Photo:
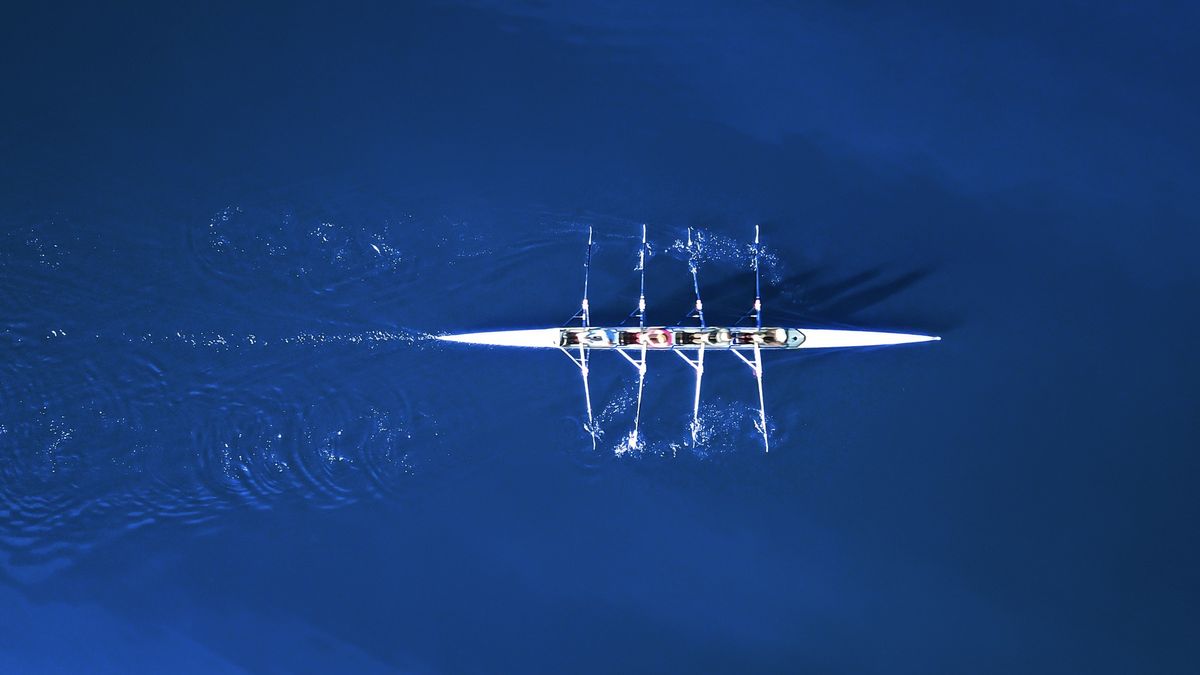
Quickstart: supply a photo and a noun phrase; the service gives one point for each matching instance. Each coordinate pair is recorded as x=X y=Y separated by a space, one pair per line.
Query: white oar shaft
x=694 y=264
x=696 y=400
x=585 y=310
x=587 y=394
x=642 y=293
x=756 y=367
x=641 y=363
x=762 y=403
x=757 y=281
x=637 y=417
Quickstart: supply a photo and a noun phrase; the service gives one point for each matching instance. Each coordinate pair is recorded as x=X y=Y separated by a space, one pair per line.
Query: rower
x=657 y=337
x=717 y=337
x=745 y=336
x=771 y=337
x=628 y=337
x=598 y=337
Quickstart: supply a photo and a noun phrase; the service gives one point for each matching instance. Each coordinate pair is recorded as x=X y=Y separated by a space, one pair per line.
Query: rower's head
x=773 y=336
x=718 y=336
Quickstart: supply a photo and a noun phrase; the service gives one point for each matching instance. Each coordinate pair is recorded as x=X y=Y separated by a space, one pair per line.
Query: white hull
x=539 y=337
x=814 y=338
x=824 y=338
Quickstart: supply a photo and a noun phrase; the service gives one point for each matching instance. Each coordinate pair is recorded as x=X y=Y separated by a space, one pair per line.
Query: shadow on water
x=813 y=298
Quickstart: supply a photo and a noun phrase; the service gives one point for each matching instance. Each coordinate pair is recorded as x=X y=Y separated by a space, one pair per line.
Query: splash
x=725 y=426
x=631 y=444
x=709 y=247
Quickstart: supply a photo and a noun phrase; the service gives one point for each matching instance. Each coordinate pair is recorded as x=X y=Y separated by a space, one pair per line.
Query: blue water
x=228 y=442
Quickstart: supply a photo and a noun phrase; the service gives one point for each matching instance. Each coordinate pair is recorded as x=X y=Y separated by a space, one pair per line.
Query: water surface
x=230 y=443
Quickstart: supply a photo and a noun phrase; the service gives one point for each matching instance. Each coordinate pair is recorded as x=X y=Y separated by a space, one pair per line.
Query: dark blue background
x=228 y=445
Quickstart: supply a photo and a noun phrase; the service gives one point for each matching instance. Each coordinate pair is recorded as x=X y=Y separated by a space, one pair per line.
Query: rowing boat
x=634 y=343
x=675 y=338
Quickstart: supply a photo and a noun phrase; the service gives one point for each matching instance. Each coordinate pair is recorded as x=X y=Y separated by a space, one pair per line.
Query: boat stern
x=535 y=338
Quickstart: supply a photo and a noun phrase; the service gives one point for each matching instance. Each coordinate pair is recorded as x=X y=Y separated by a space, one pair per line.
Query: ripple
x=244 y=247
x=100 y=437
x=226 y=379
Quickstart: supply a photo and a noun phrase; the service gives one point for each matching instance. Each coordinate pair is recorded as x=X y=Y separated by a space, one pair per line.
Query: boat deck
x=670 y=337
